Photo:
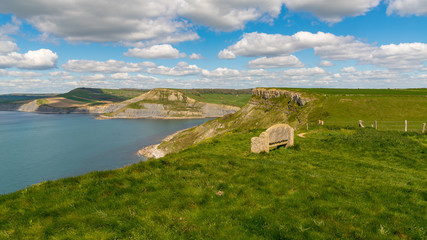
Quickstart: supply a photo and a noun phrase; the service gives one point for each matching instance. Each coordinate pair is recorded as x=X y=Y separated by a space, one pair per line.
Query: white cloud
x=276 y=62
x=326 y=63
x=181 y=69
x=407 y=7
x=316 y=71
x=19 y=74
x=348 y=69
x=221 y=72
x=262 y=44
x=110 y=66
x=38 y=59
x=404 y=56
x=195 y=56
x=7 y=47
x=155 y=52
x=332 y=10
x=81 y=20
x=228 y=15
x=226 y=54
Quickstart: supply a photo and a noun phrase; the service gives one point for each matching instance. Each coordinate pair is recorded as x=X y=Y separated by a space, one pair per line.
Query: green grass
x=94 y=95
x=42 y=101
x=350 y=91
x=389 y=111
x=333 y=184
x=239 y=100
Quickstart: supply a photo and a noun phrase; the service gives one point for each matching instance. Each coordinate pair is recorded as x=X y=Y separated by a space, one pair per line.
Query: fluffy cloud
x=276 y=62
x=160 y=21
x=407 y=7
x=195 y=56
x=404 y=56
x=228 y=15
x=155 y=52
x=110 y=66
x=262 y=44
x=7 y=47
x=326 y=63
x=332 y=10
x=80 y=20
x=38 y=59
x=181 y=69
x=221 y=72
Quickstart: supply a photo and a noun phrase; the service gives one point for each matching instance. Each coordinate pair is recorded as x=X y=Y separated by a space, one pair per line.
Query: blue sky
x=55 y=46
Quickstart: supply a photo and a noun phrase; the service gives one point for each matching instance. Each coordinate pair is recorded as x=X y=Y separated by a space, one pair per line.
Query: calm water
x=39 y=147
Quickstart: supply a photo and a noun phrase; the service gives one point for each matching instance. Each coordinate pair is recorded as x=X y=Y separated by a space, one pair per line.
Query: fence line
x=403 y=125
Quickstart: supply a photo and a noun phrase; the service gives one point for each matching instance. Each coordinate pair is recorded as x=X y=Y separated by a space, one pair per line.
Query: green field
x=345 y=107
x=349 y=91
x=232 y=97
x=335 y=183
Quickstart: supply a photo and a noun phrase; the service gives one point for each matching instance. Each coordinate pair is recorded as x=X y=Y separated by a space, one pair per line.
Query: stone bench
x=275 y=136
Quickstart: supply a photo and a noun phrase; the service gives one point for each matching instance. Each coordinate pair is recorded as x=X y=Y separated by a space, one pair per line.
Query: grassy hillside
x=11 y=98
x=335 y=183
x=233 y=97
x=93 y=95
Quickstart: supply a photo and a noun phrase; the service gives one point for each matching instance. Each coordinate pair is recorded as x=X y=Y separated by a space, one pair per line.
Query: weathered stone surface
x=275 y=93
x=258 y=144
x=277 y=135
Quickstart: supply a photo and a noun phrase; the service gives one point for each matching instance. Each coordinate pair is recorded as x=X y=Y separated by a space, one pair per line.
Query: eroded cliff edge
x=169 y=104
x=266 y=107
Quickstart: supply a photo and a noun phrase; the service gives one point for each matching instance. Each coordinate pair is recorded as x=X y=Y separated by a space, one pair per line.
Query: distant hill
x=9 y=98
x=93 y=95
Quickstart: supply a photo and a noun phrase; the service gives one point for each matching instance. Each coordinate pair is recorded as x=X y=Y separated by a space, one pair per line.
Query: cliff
x=266 y=107
x=171 y=104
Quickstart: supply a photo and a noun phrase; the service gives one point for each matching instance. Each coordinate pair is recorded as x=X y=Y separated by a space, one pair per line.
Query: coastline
x=152 y=151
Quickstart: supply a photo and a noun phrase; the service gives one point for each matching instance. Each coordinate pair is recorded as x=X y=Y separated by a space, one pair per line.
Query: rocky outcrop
x=275 y=93
x=169 y=104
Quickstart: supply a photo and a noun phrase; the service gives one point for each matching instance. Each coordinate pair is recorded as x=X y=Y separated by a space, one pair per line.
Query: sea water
x=38 y=147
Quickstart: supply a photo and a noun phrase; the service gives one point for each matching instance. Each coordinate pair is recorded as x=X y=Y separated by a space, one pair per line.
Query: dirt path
x=301 y=135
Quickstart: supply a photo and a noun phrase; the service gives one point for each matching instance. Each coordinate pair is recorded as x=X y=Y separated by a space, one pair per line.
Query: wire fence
x=411 y=126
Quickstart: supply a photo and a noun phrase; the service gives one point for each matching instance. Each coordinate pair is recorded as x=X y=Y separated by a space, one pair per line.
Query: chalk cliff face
x=168 y=103
x=275 y=93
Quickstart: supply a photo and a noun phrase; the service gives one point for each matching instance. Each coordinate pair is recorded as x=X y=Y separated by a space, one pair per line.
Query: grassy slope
x=94 y=95
x=374 y=187
x=238 y=100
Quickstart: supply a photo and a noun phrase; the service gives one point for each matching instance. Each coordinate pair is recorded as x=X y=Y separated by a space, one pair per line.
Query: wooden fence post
x=376 y=125
x=424 y=128
x=406 y=125
x=307 y=126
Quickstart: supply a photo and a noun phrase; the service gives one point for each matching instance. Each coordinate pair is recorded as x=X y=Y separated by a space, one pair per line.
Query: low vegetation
x=233 y=97
x=334 y=183
x=94 y=95
x=42 y=101
x=13 y=98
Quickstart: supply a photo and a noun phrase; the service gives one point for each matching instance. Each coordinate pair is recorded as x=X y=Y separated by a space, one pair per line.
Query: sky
x=54 y=46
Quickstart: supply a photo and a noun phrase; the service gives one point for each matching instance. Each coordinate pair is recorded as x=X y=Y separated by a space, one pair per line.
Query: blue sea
x=38 y=147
